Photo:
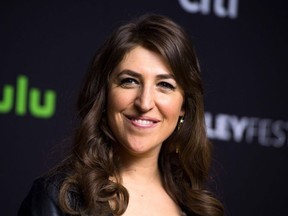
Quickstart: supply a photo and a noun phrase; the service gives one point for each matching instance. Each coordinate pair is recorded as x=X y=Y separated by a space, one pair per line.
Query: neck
x=142 y=170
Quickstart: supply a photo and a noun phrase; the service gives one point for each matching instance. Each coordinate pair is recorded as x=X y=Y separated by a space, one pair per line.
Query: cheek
x=114 y=105
x=172 y=107
x=117 y=101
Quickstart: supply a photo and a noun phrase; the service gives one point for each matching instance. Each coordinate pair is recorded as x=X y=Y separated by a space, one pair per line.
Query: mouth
x=142 y=121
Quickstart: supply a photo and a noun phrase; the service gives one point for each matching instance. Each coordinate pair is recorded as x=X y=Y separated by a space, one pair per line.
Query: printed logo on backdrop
x=22 y=100
x=265 y=132
x=221 y=8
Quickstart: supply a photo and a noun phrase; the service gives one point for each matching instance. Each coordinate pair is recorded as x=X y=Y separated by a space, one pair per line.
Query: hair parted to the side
x=94 y=158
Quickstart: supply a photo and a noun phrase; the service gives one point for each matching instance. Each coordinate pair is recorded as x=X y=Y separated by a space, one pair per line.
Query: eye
x=166 y=86
x=128 y=82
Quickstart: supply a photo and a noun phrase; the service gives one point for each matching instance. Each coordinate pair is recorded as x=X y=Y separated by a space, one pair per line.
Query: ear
x=182 y=112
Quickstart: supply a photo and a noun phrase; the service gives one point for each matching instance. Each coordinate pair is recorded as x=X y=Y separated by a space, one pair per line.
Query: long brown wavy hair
x=94 y=159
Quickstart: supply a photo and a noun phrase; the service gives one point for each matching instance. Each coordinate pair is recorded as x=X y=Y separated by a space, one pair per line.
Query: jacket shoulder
x=42 y=199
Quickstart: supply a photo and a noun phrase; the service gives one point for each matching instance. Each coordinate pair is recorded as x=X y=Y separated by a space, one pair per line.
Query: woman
x=141 y=146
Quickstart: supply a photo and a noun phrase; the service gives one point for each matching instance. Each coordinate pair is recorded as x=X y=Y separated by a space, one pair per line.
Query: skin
x=144 y=106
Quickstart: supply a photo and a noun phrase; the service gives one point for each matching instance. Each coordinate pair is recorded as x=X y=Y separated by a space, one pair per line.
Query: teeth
x=143 y=122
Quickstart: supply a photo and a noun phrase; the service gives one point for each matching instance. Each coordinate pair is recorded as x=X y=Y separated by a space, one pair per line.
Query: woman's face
x=144 y=102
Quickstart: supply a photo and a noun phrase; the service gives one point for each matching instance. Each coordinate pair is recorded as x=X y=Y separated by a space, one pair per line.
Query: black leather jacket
x=42 y=199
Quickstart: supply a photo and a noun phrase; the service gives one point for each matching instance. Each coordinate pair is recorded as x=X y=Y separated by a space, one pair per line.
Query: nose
x=145 y=100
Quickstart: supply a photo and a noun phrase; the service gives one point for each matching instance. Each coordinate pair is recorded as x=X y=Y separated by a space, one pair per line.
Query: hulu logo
x=27 y=100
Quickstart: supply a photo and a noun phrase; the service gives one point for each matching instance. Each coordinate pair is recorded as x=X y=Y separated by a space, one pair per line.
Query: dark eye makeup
x=128 y=82
x=166 y=85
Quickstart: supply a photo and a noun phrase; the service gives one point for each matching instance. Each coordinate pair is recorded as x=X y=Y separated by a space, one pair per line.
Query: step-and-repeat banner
x=46 y=47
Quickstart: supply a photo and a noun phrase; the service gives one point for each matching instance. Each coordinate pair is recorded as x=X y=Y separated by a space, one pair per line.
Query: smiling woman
x=133 y=153
x=144 y=102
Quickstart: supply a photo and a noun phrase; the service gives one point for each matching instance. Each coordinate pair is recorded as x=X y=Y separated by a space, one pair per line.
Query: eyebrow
x=139 y=75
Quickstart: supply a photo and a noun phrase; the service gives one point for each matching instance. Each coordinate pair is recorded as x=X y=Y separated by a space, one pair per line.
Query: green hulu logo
x=27 y=99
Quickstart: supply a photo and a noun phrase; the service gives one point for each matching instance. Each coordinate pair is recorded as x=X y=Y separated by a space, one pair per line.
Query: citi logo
x=24 y=99
x=221 y=8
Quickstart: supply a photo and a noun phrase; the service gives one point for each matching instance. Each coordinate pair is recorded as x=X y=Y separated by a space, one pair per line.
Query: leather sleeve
x=42 y=200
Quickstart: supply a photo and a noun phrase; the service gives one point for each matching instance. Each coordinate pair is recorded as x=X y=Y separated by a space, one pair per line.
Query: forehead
x=142 y=59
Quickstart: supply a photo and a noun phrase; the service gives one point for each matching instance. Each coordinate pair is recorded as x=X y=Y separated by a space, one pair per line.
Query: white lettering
x=204 y=7
x=209 y=125
x=222 y=127
x=221 y=11
x=251 y=130
x=238 y=127
x=193 y=7
x=280 y=135
x=265 y=132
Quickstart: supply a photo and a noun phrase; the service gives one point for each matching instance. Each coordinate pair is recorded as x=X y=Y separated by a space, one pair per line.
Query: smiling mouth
x=142 y=121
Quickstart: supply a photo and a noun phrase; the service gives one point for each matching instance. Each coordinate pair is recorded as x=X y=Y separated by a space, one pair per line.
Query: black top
x=42 y=199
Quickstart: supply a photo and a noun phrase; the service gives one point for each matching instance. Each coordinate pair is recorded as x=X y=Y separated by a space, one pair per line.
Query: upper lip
x=147 y=118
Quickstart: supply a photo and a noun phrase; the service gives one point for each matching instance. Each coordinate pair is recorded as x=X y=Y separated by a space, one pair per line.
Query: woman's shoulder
x=43 y=197
x=50 y=182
